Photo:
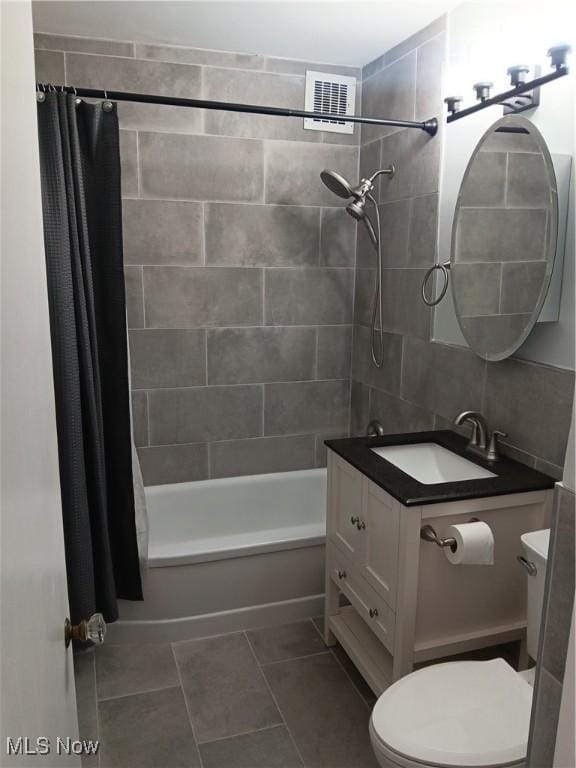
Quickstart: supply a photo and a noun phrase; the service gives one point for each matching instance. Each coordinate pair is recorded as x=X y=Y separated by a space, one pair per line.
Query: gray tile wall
x=555 y=631
x=423 y=384
x=239 y=264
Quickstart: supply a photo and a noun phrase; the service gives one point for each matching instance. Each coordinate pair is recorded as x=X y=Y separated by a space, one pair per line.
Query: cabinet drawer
x=369 y=604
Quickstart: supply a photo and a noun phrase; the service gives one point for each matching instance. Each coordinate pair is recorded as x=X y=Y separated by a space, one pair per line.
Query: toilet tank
x=535 y=544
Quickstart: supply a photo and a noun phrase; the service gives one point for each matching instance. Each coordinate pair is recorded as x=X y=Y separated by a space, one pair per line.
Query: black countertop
x=511 y=476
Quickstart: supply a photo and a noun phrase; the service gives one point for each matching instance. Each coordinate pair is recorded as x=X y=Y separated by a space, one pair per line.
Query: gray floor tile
x=325 y=715
x=85 y=680
x=132 y=668
x=355 y=677
x=270 y=748
x=225 y=690
x=148 y=730
x=285 y=641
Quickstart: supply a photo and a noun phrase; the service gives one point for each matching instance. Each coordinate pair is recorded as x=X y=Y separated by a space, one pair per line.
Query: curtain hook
x=40 y=95
x=107 y=105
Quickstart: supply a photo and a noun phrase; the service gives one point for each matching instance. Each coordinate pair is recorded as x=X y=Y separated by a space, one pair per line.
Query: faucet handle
x=493 y=452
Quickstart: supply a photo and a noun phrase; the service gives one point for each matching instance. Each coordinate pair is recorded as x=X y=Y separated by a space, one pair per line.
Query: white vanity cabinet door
x=345 y=508
x=382 y=536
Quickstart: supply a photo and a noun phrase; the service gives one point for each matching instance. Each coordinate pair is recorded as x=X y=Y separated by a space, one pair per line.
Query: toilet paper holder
x=427 y=533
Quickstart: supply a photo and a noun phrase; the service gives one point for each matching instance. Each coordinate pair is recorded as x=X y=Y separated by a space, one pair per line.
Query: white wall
x=484 y=39
x=37 y=685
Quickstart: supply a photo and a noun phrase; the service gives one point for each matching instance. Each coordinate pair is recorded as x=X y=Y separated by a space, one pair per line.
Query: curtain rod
x=430 y=126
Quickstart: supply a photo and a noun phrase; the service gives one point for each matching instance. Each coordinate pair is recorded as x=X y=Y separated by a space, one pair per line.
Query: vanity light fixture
x=483 y=90
x=453 y=103
x=522 y=94
x=518 y=74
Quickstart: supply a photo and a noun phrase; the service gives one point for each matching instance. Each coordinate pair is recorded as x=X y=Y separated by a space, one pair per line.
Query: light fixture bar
x=501 y=98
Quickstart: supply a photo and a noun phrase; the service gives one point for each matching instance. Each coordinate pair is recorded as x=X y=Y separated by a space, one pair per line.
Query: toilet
x=464 y=713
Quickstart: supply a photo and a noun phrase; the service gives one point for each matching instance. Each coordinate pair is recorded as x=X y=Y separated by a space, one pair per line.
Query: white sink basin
x=430 y=463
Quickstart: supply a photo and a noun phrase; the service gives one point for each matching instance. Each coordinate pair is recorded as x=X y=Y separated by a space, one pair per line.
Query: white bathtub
x=230 y=554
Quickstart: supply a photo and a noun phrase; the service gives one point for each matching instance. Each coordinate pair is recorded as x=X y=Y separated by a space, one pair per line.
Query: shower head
x=339 y=186
x=357 y=208
x=336 y=183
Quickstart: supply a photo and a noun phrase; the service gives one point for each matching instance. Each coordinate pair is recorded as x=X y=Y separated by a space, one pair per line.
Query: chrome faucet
x=479 y=442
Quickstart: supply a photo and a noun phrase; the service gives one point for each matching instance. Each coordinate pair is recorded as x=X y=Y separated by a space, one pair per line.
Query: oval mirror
x=504 y=237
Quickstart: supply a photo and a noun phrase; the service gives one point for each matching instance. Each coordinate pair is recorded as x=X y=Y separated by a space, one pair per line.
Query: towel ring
x=444 y=268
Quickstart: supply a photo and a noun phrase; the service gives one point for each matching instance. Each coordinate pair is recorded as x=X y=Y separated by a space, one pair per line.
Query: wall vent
x=335 y=94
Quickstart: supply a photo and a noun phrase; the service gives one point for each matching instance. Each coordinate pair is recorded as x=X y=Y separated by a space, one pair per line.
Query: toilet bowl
x=464 y=713
x=457 y=714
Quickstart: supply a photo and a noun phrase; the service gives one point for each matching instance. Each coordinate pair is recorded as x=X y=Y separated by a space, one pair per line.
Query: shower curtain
x=80 y=172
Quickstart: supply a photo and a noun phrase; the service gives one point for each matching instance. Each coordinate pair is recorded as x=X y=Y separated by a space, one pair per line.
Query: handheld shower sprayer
x=357 y=209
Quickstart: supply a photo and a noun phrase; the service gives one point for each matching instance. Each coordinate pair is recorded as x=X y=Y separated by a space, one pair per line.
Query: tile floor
x=267 y=698
x=274 y=697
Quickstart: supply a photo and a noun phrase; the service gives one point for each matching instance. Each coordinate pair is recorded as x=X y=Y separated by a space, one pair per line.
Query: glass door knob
x=92 y=630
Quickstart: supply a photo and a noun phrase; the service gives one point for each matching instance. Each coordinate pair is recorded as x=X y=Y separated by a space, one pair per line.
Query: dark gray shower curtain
x=80 y=172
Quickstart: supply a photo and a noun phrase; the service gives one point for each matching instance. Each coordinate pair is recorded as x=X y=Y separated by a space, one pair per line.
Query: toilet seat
x=455 y=715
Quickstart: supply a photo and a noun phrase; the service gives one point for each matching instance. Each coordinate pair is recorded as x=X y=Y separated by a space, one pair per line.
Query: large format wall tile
x=301 y=407
x=403 y=309
x=140 y=418
x=388 y=376
x=442 y=379
x=206 y=246
x=533 y=404
x=481 y=232
x=409 y=44
x=192 y=297
x=260 y=88
x=429 y=69
x=159 y=117
x=203 y=414
x=163 y=464
x=129 y=163
x=133 y=75
x=561 y=585
x=334 y=351
x=389 y=94
x=200 y=167
x=262 y=235
x=198 y=56
x=49 y=67
x=167 y=358
x=298 y=67
x=262 y=455
x=397 y=415
x=359 y=408
x=309 y=296
x=133 y=282
x=162 y=232
x=246 y=355
x=293 y=171
x=82 y=45
x=337 y=238
x=416 y=156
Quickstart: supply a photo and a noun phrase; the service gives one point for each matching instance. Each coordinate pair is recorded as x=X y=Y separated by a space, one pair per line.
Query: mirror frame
x=551 y=234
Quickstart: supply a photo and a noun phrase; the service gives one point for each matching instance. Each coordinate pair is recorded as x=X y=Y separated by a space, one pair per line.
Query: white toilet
x=464 y=713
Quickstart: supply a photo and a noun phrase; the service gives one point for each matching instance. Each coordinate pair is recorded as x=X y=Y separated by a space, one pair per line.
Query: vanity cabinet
x=393 y=600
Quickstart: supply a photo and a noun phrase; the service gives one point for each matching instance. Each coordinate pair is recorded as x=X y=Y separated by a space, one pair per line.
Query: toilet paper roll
x=474 y=544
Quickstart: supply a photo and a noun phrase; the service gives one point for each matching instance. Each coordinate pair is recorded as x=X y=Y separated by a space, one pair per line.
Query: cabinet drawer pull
x=361 y=525
x=341 y=574
x=355 y=520
x=373 y=612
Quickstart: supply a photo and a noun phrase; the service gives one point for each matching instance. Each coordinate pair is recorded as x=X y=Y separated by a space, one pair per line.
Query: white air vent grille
x=332 y=94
